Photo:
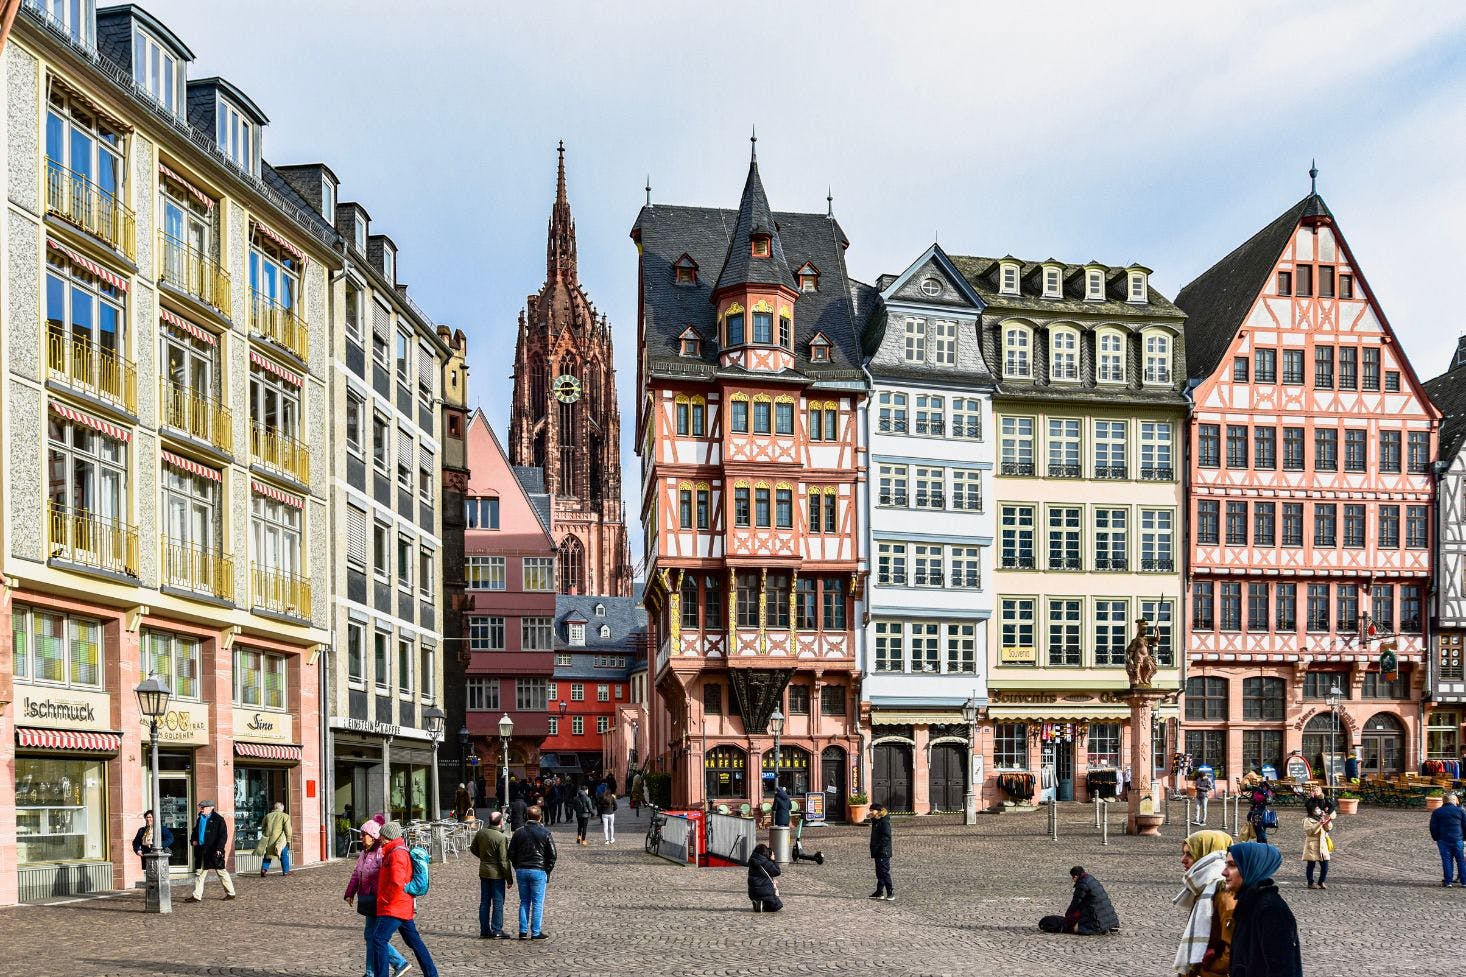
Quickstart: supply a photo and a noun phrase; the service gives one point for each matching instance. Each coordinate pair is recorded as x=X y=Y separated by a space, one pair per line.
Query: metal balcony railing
x=279 y=451
x=88 y=367
x=186 y=268
x=1110 y=471
x=1064 y=563
x=893 y=498
x=972 y=429
x=1023 y=468
x=1111 y=563
x=933 y=579
x=1157 y=566
x=934 y=427
x=1063 y=471
x=85 y=538
x=77 y=200
x=196 y=415
x=966 y=580
x=891 y=426
x=279 y=591
x=1019 y=563
x=204 y=571
x=1157 y=473
x=930 y=501
x=274 y=321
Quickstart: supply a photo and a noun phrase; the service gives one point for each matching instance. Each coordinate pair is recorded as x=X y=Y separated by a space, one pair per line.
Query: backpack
x=418 y=884
x=1269 y=818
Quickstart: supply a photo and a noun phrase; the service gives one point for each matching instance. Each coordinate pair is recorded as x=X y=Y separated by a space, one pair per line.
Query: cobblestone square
x=968 y=900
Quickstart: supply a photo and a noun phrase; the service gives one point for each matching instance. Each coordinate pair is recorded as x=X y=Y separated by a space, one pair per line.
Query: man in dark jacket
x=782 y=807
x=880 y=850
x=494 y=872
x=1264 y=932
x=518 y=810
x=1448 y=830
x=209 y=841
x=583 y=807
x=532 y=850
x=1089 y=911
x=552 y=803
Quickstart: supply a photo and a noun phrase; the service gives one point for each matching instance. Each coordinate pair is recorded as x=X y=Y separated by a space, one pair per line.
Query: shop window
x=1104 y=745
x=725 y=770
x=1010 y=746
x=1442 y=735
x=1209 y=747
x=60 y=810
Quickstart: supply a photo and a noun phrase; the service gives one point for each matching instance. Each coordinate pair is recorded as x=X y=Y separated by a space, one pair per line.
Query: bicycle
x=654 y=832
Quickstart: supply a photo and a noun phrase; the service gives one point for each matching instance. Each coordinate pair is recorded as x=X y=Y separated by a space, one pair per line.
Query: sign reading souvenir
x=814 y=807
x=184 y=723
x=258 y=726
x=62 y=708
x=1025 y=655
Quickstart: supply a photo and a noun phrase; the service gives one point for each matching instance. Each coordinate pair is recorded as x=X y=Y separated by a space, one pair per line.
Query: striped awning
x=87 y=420
x=270 y=366
x=67 y=739
x=270 y=235
x=116 y=281
x=198 y=194
x=193 y=467
x=268 y=751
x=179 y=322
x=270 y=492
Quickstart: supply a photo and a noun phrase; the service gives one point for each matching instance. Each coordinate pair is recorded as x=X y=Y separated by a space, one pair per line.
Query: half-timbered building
x=1446 y=684
x=752 y=471
x=1311 y=443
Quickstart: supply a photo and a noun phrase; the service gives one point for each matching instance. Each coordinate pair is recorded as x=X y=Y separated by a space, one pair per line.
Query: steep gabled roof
x=740 y=267
x=1448 y=392
x=1218 y=301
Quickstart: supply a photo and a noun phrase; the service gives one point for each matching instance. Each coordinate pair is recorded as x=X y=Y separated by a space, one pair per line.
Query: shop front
x=361 y=751
x=266 y=771
x=181 y=731
x=920 y=759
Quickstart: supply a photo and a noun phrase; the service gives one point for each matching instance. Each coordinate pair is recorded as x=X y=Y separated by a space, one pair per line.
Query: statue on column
x=1140 y=663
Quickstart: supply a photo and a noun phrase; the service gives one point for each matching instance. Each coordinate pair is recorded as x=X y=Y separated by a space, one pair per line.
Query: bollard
x=1188 y=812
x=1097 y=803
x=1105 y=828
x=1054 y=818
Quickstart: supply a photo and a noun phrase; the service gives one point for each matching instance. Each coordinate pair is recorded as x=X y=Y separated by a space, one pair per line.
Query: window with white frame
x=355 y=423
x=552 y=726
x=381 y=667
x=1157 y=358
x=603 y=724
x=927 y=562
x=930 y=487
x=1010 y=746
x=259 y=679
x=404 y=666
x=577 y=692
x=275 y=526
x=1137 y=286
x=1104 y=745
x=915 y=340
x=577 y=633
x=174 y=658
x=1016 y=537
x=891 y=483
x=482 y=694
x=328 y=201
x=1111 y=449
x=156 y=71
x=890 y=646
x=1094 y=284
x=536 y=634
x=1111 y=538
x=966 y=562
x=1053 y=282
x=577 y=725
x=1064 y=355
x=236 y=136
x=485 y=573
x=191 y=525
x=356 y=537
x=891 y=412
x=1111 y=620
x=561 y=660
x=961 y=648
x=539 y=573
x=1015 y=626
x=944 y=342
x=891 y=564
x=1063 y=444
x=930 y=415
x=1016 y=445
x=355 y=654
x=926 y=651
x=1065 y=531
x=1063 y=631
x=967 y=490
x=485 y=633
x=1156 y=458
x=603 y=693
x=966 y=417
x=1008 y=278
x=1110 y=354
x=75 y=18
x=1156 y=538
x=1161 y=615
x=1017 y=352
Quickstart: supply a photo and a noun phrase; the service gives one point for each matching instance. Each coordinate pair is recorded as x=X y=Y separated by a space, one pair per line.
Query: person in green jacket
x=275 y=834
x=494 y=872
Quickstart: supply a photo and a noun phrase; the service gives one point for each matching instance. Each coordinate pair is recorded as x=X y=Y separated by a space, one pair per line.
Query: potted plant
x=1348 y=802
x=859 y=807
x=1434 y=799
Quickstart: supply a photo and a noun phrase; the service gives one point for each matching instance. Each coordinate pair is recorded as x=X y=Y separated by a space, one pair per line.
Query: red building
x=509 y=604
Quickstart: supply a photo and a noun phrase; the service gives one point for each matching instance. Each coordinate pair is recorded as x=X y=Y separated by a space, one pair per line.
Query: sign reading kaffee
x=183 y=723
x=62 y=708
x=258 y=726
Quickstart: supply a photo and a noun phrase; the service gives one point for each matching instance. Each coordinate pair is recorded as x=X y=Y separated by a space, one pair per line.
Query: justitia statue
x=1140 y=663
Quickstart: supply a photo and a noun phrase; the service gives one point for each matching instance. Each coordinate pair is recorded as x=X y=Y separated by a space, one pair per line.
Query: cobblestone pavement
x=968 y=900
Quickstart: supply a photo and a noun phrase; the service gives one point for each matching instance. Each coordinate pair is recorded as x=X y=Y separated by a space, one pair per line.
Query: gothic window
x=569 y=449
x=572 y=566
x=538 y=392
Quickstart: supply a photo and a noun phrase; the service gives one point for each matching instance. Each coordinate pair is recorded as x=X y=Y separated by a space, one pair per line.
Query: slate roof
x=1448 y=392
x=666 y=231
x=982 y=275
x=1218 y=301
x=532 y=481
x=740 y=267
x=625 y=618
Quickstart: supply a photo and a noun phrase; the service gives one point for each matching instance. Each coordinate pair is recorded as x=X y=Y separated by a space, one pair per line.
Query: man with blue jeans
x=494 y=872
x=1448 y=830
x=532 y=852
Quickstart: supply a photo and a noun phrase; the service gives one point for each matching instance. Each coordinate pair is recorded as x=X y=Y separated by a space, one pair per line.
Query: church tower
x=565 y=419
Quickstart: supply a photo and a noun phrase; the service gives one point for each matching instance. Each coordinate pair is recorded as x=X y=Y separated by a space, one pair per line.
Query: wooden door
x=947 y=778
x=891 y=782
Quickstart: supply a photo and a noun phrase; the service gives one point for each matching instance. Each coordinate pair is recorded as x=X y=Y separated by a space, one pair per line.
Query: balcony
x=1114 y=472
x=971 y=429
x=889 y=426
x=190 y=270
x=1157 y=566
x=1111 y=563
x=91 y=369
x=935 y=428
x=1016 y=468
x=1063 y=471
x=932 y=501
x=198 y=416
x=85 y=538
x=279 y=591
x=1157 y=474
x=1065 y=563
x=966 y=580
x=279 y=452
x=893 y=498
x=77 y=200
x=203 y=571
x=1019 y=563
x=275 y=322
x=932 y=579
x=970 y=503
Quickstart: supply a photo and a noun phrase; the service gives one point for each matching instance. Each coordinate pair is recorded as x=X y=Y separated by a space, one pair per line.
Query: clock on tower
x=567 y=388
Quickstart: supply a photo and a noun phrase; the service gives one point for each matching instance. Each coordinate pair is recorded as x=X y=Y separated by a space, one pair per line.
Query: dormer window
x=577 y=635
x=1158 y=358
x=1094 y=285
x=1053 y=282
x=156 y=70
x=819 y=349
x=605 y=630
x=1017 y=352
x=685 y=271
x=760 y=245
x=1110 y=353
x=74 y=17
x=238 y=136
x=328 y=199
x=1008 y=278
x=389 y=266
x=689 y=343
x=1138 y=292
x=809 y=277
x=600 y=610
x=359 y=232
x=1064 y=354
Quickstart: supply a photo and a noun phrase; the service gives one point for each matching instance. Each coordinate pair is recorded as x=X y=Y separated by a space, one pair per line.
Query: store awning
x=1057 y=714
x=67 y=739
x=268 y=751
x=908 y=717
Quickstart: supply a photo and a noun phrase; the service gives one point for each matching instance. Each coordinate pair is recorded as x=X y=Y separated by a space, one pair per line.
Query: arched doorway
x=1382 y=746
x=890 y=782
x=1318 y=739
x=793 y=770
x=832 y=780
x=724 y=770
x=947 y=778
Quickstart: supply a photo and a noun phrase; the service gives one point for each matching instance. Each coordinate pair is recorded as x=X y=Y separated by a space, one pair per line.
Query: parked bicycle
x=654 y=831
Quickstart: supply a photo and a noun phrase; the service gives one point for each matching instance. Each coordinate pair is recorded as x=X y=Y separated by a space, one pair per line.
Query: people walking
x=552 y=803
x=1264 y=932
x=763 y=891
x=275 y=835
x=363 y=887
x=494 y=872
x=608 y=816
x=144 y=841
x=396 y=910
x=1090 y=911
x=209 y=841
x=532 y=853
x=1260 y=817
x=1448 y=830
x=518 y=810
x=638 y=795
x=1205 y=949
x=1318 y=844
x=1206 y=782
x=462 y=803
x=583 y=808
x=880 y=850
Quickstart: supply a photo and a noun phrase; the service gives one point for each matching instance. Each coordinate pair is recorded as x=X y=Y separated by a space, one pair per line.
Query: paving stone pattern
x=968 y=900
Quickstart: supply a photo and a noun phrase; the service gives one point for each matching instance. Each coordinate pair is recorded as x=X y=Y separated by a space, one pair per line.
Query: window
x=961 y=653
x=1009 y=279
x=1285 y=283
x=733 y=326
x=1111 y=539
x=967 y=490
x=1064 y=355
x=824 y=421
x=1346 y=286
x=761 y=415
x=404 y=667
x=1203 y=605
x=482 y=694
x=761 y=507
x=1111 y=354
x=832 y=604
x=1348 y=368
x=1264 y=523
x=1137 y=286
x=930 y=488
x=1303 y=280
x=1392 y=380
x=1323 y=368
x=1293 y=449
x=1017 y=352
x=1111 y=619
x=1293 y=367
x=577 y=692
x=832 y=701
x=1419 y=458
x=1265 y=448
x=1262 y=747
x=1157 y=533
x=786 y=335
x=86 y=341
x=482 y=513
x=784 y=508
x=1389 y=451
x=1262 y=699
x=890 y=647
x=748 y=599
x=1239 y=369
x=1157 y=358
x=404 y=459
x=1156 y=462
x=1417 y=526
x=966 y=567
x=577 y=725
x=259 y=679
x=944 y=345
x=1094 y=284
x=763 y=327
x=1010 y=746
x=58 y=649
x=1017 y=446
x=603 y=693
x=485 y=573
x=1208 y=747
x=1110 y=449
x=539 y=573
x=1064 y=631
x=915 y=340
x=156 y=71
x=404 y=562
x=1410 y=616
x=892 y=484
x=742 y=511
x=1206 y=699
x=531 y=695
x=1265 y=365
x=1016 y=524
x=891 y=564
x=536 y=634
x=1063 y=444
x=966 y=417
x=688 y=345
x=1236 y=523
x=1208 y=518
x=1053 y=283
x=1015 y=627
x=1325 y=281
x=355 y=654
x=891 y=417
x=1104 y=745
x=275 y=528
x=485 y=633
x=1354 y=526
x=1231 y=601
x=1209 y=445
x=1326 y=450
x=1325 y=524
x=823 y=510
x=236 y=136
x=191 y=527
x=1286 y=604
x=1065 y=531
x=930 y=415
x=928 y=565
x=738 y=414
x=1371 y=368
x=1236 y=446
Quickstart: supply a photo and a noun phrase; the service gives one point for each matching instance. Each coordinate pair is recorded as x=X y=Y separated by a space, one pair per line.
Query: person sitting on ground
x=763 y=891
x=1089 y=911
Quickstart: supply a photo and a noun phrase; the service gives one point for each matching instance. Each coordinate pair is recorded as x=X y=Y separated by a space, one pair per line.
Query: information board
x=1333 y=765
x=814 y=807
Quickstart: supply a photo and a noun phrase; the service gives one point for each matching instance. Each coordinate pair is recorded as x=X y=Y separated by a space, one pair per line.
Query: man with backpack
x=404 y=875
x=532 y=850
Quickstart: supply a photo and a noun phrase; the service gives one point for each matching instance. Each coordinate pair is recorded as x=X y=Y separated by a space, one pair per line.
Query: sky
x=1163 y=133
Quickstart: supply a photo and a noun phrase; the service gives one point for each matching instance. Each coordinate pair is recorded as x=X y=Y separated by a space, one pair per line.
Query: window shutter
x=381 y=321
x=356 y=521
x=425 y=458
x=427 y=367
x=404 y=447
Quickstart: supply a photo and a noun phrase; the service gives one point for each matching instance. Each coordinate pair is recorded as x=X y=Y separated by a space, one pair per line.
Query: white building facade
x=1445 y=691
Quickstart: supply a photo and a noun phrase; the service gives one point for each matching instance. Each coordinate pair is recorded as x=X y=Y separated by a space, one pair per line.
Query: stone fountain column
x=1142 y=818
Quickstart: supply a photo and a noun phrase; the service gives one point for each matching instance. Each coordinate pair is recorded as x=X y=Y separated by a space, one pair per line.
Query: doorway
x=1064 y=769
x=832 y=778
x=891 y=779
x=947 y=778
x=176 y=803
x=1382 y=746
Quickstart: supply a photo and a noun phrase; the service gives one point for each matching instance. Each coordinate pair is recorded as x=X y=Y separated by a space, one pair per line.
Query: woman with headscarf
x=1318 y=821
x=1206 y=942
x=1264 y=932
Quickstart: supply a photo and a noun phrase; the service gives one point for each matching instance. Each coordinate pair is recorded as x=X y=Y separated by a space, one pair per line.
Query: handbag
x=1269 y=818
x=771 y=881
x=1328 y=843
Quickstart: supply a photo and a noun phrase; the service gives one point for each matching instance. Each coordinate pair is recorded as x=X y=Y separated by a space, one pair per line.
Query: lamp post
x=969 y=803
x=778 y=834
x=152 y=699
x=633 y=755
x=435 y=718
x=506 y=730
x=1335 y=694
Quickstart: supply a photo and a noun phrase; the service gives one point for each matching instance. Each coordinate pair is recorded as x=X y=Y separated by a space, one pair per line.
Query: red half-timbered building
x=1310 y=445
x=752 y=474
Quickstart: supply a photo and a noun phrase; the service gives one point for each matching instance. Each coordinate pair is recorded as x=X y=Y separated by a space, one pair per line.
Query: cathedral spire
x=560 y=250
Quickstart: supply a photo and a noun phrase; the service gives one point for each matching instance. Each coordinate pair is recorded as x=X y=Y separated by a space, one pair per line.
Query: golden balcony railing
x=279 y=591
x=189 y=269
x=83 y=364
x=201 y=417
x=272 y=320
x=204 y=571
x=279 y=451
x=79 y=536
x=75 y=199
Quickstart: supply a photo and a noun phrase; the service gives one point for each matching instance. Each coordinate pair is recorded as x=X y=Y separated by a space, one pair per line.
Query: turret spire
x=560 y=261
x=1313 y=178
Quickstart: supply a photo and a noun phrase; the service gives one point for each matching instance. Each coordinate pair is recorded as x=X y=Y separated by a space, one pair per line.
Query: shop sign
x=1018 y=656
x=1025 y=698
x=814 y=807
x=256 y=726
x=187 y=724
x=63 y=708
x=368 y=726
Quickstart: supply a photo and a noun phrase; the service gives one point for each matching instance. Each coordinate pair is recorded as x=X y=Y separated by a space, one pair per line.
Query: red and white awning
x=192 y=467
x=89 y=265
x=289 y=248
x=270 y=492
x=177 y=322
x=198 y=194
x=67 y=739
x=270 y=366
x=87 y=420
x=268 y=751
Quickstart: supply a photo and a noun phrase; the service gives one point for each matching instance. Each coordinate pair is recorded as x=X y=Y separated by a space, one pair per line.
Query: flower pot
x=858 y=812
x=1348 y=805
x=1431 y=803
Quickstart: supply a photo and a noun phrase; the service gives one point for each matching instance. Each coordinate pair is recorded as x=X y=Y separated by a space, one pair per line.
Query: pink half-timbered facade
x=753 y=481
x=1311 y=509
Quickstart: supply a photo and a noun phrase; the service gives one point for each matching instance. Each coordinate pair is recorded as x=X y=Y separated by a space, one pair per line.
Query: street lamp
x=1335 y=694
x=969 y=803
x=776 y=730
x=152 y=700
x=506 y=730
x=778 y=834
x=435 y=718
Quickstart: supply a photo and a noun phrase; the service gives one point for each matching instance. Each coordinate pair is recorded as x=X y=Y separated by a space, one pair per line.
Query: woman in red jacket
x=395 y=908
x=363 y=887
